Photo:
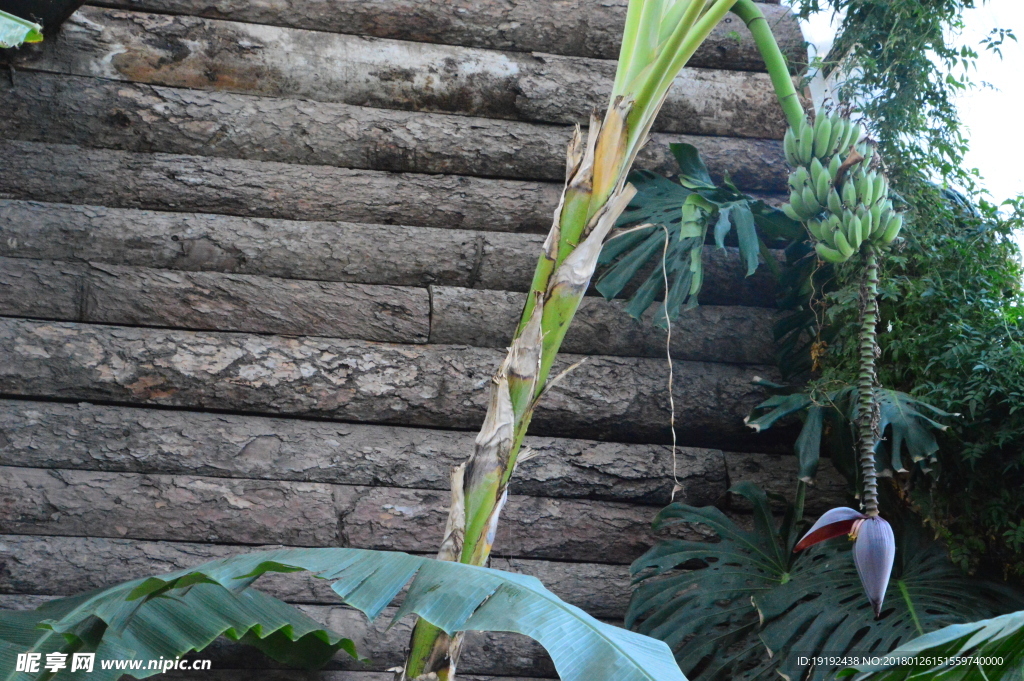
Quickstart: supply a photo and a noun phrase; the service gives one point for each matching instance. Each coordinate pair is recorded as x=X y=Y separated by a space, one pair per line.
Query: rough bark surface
x=204 y=54
x=134 y=296
x=64 y=566
x=70 y=174
x=717 y=333
x=324 y=251
x=778 y=474
x=120 y=439
x=92 y=112
x=615 y=398
x=570 y=27
x=221 y=510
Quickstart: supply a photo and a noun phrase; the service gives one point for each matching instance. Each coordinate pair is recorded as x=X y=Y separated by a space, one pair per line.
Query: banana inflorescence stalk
x=659 y=38
x=845 y=206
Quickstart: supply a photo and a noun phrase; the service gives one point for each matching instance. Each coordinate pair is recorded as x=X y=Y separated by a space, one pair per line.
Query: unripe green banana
x=814 y=227
x=829 y=254
x=881 y=188
x=822 y=187
x=892 y=229
x=810 y=201
x=834 y=223
x=865 y=188
x=838 y=128
x=816 y=169
x=876 y=218
x=822 y=134
x=869 y=153
x=858 y=133
x=849 y=193
x=805 y=143
x=855 y=235
x=789 y=147
x=844 y=144
x=843 y=244
x=833 y=167
x=791 y=213
x=798 y=178
x=798 y=205
x=835 y=204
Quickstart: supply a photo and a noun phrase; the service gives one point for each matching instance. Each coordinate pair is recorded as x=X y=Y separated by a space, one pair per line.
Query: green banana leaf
x=642 y=256
x=748 y=608
x=186 y=610
x=988 y=650
x=15 y=31
x=906 y=423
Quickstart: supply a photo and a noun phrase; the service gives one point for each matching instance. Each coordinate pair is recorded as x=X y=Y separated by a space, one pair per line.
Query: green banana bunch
x=842 y=202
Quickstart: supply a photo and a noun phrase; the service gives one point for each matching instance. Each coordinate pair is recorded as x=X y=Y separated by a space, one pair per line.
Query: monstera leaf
x=906 y=425
x=748 y=608
x=680 y=214
x=15 y=31
x=186 y=610
x=988 y=650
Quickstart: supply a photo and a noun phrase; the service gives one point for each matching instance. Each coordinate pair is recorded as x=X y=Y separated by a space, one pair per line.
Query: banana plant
x=15 y=31
x=845 y=206
x=659 y=38
x=166 y=616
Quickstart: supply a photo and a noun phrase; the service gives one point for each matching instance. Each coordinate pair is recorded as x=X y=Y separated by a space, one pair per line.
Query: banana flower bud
x=874 y=549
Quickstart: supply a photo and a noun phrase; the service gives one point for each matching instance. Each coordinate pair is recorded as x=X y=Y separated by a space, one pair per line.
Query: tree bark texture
x=205 y=54
x=570 y=27
x=322 y=251
x=93 y=112
x=614 y=398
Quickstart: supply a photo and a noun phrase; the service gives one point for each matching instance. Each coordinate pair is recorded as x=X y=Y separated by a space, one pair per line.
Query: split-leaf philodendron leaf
x=14 y=31
x=185 y=611
x=907 y=427
x=682 y=212
x=747 y=607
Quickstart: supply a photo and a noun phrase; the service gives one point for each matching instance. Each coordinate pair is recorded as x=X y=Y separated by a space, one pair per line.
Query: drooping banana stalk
x=660 y=37
x=846 y=208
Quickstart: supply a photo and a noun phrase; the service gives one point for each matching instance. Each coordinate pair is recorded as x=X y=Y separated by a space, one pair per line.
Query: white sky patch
x=989 y=115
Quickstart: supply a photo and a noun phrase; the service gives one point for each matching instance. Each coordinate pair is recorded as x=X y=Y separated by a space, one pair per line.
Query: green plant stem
x=867 y=381
x=774 y=60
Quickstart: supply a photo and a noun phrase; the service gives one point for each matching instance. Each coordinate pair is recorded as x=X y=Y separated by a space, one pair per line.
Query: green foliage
x=999 y=638
x=682 y=212
x=906 y=424
x=14 y=31
x=747 y=607
x=186 y=610
x=899 y=62
x=952 y=335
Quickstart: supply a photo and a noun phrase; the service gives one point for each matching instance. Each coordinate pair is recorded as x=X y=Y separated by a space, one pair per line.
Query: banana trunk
x=660 y=37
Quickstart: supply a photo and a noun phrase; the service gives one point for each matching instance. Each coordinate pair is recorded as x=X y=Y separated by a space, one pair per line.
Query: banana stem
x=867 y=381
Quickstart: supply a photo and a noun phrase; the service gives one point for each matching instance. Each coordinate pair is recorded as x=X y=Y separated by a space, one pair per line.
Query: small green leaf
x=693 y=174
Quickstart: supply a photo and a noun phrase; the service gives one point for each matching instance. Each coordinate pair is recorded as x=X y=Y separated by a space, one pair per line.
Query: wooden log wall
x=258 y=261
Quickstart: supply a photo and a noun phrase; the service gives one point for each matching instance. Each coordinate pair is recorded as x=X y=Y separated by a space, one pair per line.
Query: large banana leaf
x=988 y=650
x=681 y=213
x=748 y=608
x=906 y=425
x=147 y=618
x=14 y=31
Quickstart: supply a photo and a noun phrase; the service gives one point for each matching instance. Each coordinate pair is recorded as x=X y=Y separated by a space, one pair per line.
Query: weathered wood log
x=569 y=27
x=613 y=398
x=136 y=296
x=70 y=174
x=207 y=54
x=487 y=318
x=324 y=251
x=130 y=440
x=92 y=112
x=778 y=474
x=63 y=566
x=222 y=510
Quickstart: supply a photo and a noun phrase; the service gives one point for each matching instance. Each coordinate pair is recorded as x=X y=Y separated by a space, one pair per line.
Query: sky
x=990 y=115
